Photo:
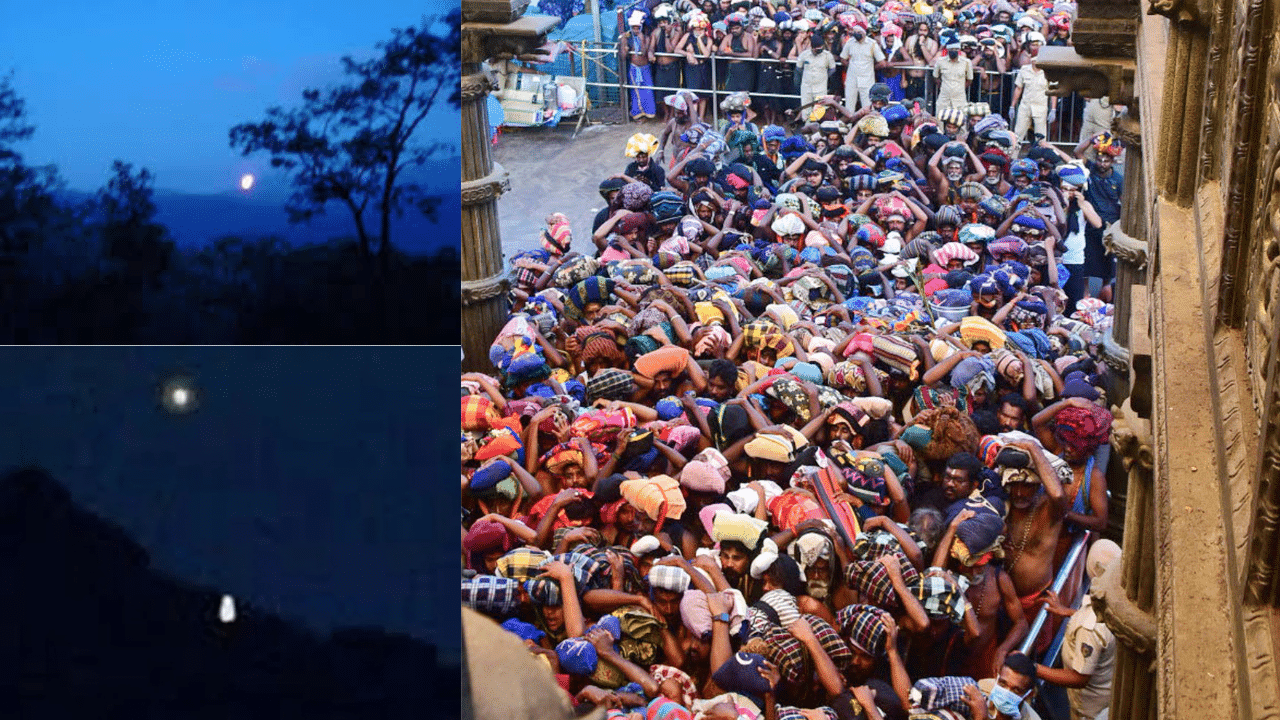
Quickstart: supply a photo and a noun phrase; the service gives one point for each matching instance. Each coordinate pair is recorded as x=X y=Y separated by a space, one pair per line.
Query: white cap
x=636 y=18
x=766 y=23
x=1034 y=37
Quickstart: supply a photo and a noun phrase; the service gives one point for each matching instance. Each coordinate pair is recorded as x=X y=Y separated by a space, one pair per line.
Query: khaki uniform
x=1033 y=106
x=813 y=74
x=955 y=76
x=862 y=58
x=1097 y=119
x=1089 y=648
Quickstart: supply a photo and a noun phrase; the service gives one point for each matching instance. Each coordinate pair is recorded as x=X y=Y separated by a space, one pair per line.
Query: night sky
x=159 y=83
x=308 y=481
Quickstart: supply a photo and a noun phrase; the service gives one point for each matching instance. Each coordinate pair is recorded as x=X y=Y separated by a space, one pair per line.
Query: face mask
x=1006 y=701
x=953 y=54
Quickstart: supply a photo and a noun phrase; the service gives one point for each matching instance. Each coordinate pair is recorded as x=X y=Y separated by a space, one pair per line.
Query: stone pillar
x=1125 y=596
x=491 y=30
x=483 y=281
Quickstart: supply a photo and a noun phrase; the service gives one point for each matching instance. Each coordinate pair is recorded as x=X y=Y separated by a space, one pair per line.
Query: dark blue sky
x=309 y=482
x=159 y=83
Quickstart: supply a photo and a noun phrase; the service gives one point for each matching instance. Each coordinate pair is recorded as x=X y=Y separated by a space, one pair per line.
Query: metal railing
x=1075 y=557
x=1063 y=121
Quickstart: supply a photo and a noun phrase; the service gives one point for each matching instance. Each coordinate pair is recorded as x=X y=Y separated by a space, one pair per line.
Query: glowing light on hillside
x=246 y=181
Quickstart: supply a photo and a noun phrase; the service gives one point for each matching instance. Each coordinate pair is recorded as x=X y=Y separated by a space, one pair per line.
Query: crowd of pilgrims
x=805 y=425
x=944 y=56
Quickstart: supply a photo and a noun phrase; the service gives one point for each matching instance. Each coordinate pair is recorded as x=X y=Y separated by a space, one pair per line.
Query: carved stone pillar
x=483 y=280
x=1184 y=94
x=484 y=283
x=1124 y=595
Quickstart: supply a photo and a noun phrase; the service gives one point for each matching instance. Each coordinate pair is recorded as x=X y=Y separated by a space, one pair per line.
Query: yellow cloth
x=641 y=143
x=975 y=329
x=647 y=495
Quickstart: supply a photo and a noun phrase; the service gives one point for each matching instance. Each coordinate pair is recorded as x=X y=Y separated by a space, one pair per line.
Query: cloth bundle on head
x=871 y=579
x=809 y=548
x=942 y=694
x=788 y=224
x=478 y=412
x=670 y=578
x=699 y=476
x=522 y=563
x=954 y=251
x=665 y=709
x=610 y=384
x=791 y=393
x=492 y=595
x=577 y=656
x=793 y=507
x=774 y=447
x=635 y=196
x=942 y=594
x=741 y=673
x=598 y=346
x=897 y=353
x=728 y=424
x=1009 y=366
x=685 y=689
x=745 y=499
x=738 y=527
x=1076 y=384
x=696 y=614
x=979 y=538
x=973 y=373
x=863 y=626
x=485 y=536
x=975 y=329
x=659 y=497
x=1083 y=429
x=557 y=238
x=641 y=143
x=1008 y=245
x=503 y=441
x=666 y=206
x=543 y=591
x=487 y=477
x=671 y=359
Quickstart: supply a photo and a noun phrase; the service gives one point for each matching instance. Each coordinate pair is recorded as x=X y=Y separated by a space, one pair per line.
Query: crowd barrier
x=599 y=64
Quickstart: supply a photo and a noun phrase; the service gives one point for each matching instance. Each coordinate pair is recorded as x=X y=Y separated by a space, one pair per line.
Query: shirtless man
x=1034 y=524
x=1087 y=511
x=989 y=588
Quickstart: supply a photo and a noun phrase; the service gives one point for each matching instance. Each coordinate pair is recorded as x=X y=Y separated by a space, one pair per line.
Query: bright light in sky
x=246 y=181
x=179 y=395
x=227 y=610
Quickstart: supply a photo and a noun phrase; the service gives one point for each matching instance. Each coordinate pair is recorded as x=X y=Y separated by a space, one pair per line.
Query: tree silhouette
x=129 y=231
x=352 y=144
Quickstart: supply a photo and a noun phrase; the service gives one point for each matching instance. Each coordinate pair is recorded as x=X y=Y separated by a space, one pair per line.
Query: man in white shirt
x=863 y=55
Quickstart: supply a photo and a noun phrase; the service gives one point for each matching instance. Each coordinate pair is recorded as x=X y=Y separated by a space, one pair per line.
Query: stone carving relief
x=1264 y=264
x=1183 y=12
x=1246 y=103
x=1261 y=583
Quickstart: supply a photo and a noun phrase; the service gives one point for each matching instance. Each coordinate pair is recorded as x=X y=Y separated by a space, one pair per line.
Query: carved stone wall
x=1250 y=38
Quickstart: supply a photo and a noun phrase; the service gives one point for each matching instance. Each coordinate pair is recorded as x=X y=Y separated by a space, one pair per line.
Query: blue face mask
x=1006 y=701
